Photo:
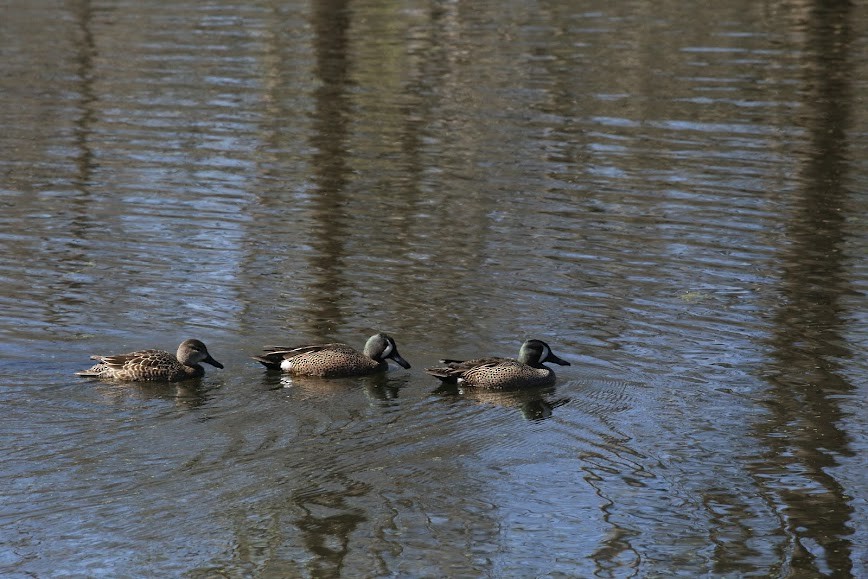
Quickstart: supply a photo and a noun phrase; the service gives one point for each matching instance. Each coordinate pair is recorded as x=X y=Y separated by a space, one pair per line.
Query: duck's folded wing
x=456 y=369
x=293 y=351
x=142 y=359
x=273 y=355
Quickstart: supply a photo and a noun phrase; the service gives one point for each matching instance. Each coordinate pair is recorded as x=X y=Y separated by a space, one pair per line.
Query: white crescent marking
x=388 y=350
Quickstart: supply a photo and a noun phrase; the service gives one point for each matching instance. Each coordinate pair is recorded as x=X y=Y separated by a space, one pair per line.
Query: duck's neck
x=194 y=370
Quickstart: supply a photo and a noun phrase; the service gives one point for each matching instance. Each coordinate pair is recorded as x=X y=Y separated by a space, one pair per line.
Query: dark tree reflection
x=331 y=21
x=803 y=433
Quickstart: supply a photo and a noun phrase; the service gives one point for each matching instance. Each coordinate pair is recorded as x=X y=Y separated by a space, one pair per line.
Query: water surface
x=672 y=198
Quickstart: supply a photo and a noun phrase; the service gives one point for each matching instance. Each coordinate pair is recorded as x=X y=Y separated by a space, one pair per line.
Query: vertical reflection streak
x=86 y=51
x=331 y=23
x=802 y=434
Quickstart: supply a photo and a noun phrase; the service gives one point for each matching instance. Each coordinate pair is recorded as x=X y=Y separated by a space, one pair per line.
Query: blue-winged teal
x=154 y=365
x=334 y=360
x=503 y=373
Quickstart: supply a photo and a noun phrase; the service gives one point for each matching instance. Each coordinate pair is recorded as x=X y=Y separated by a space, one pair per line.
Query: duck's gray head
x=191 y=352
x=536 y=352
x=382 y=347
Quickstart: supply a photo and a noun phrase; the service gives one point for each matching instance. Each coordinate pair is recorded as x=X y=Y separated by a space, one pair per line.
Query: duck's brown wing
x=455 y=369
x=141 y=359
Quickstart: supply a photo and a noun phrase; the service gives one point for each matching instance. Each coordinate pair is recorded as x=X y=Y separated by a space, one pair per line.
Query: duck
x=503 y=373
x=154 y=365
x=334 y=360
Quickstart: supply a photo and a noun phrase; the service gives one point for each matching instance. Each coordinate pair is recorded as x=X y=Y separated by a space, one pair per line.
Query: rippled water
x=673 y=197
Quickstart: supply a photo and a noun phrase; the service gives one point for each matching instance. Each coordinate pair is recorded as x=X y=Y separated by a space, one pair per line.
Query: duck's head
x=191 y=352
x=382 y=347
x=536 y=352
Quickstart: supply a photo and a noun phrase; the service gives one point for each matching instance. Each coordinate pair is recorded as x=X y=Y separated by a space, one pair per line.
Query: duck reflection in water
x=534 y=403
x=378 y=386
x=184 y=395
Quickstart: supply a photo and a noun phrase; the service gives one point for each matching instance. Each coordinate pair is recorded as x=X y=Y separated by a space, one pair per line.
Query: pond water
x=672 y=196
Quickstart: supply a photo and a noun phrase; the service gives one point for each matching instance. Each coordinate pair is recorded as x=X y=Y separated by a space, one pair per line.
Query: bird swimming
x=154 y=365
x=334 y=360
x=503 y=373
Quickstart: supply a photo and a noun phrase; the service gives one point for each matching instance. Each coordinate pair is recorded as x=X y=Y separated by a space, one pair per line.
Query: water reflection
x=329 y=137
x=534 y=403
x=802 y=435
x=187 y=395
x=377 y=386
x=327 y=523
x=86 y=47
